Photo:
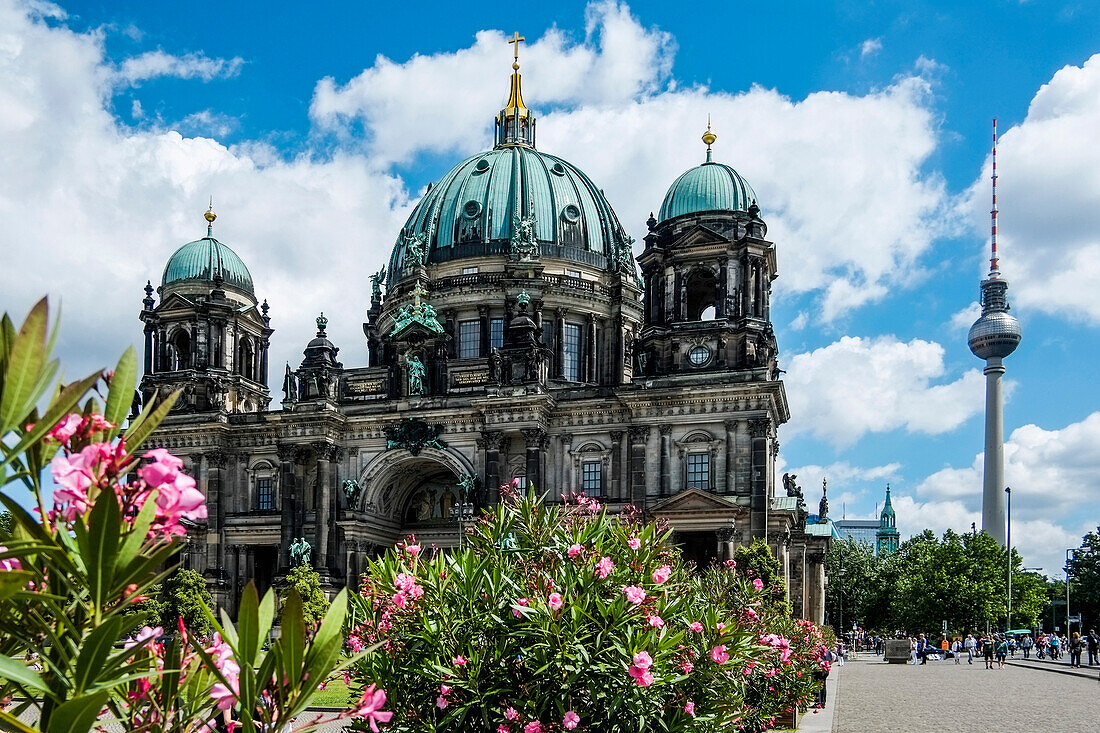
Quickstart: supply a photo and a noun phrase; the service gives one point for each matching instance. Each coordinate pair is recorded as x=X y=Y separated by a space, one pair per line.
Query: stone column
x=616 y=488
x=215 y=462
x=759 y=429
x=559 y=326
x=533 y=444
x=720 y=306
x=288 y=500
x=322 y=502
x=783 y=554
x=148 y=348
x=816 y=582
x=162 y=351
x=234 y=578
x=568 y=488
x=666 y=459
x=731 y=456
x=483 y=329
x=590 y=351
x=726 y=544
x=264 y=344
x=493 y=440
x=638 y=436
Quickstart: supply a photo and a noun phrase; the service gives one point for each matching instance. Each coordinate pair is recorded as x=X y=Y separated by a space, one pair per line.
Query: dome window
x=472 y=209
x=571 y=213
x=482 y=166
x=557 y=169
x=699 y=356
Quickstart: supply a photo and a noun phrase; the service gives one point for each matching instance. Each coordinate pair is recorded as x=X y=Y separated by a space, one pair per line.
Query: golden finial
x=210 y=216
x=516 y=39
x=709 y=137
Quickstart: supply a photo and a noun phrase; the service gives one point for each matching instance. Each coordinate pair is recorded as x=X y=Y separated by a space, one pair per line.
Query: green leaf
x=104 y=529
x=292 y=637
x=248 y=625
x=12 y=723
x=78 y=714
x=22 y=369
x=61 y=406
x=137 y=433
x=19 y=673
x=138 y=532
x=121 y=395
x=94 y=651
x=266 y=614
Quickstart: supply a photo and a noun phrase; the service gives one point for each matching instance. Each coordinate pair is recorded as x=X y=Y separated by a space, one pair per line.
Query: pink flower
x=441 y=702
x=413 y=550
x=370 y=707
x=719 y=654
x=502 y=728
x=444 y=689
x=66 y=428
x=687 y=667
x=661 y=574
x=523 y=601
x=400 y=599
x=224 y=693
x=642 y=660
x=758 y=583
x=575 y=550
x=634 y=594
x=731 y=563
x=643 y=677
x=696 y=627
x=146 y=634
x=555 y=602
x=571 y=720
x=177 y=496
x=511 y=714
x=459 y=661
x=634 y=543
x=9 y=563
x=656 y=622
x=355 y=643
x=719 y=626
x=604 y=567
x=533 y=727
x=689 y=708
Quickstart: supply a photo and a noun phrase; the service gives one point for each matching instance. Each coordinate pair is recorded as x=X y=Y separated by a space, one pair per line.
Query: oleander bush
x=78 y=644
x=565 y=617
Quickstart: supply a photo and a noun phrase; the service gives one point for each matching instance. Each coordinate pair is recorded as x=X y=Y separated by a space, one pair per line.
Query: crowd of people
x=994 y=648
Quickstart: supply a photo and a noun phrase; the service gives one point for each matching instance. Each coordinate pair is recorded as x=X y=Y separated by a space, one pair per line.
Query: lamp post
x=462 y=512
x=1070 y=555
x=1008 y=542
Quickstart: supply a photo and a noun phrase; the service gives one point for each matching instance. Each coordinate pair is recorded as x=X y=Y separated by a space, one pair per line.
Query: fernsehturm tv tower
x=993 y=337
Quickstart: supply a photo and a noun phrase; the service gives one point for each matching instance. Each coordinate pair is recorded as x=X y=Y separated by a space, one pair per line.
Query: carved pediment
x=700 y=235
x=694 y=500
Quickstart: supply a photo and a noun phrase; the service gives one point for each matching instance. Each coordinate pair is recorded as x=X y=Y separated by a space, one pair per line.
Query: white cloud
x=94 y=208
x=159 y=63
x=963 y=319
x=870 y=47
x=1049 y=197
x=856 y=386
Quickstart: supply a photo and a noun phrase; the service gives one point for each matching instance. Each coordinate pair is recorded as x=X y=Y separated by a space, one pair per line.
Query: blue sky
x=863 y=127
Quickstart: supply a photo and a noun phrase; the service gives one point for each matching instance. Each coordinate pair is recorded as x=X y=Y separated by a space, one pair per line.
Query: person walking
x=956 y=651
x=970 y=645
x=1026 y=643
x=1094 y=647
x=1075 y=646
x=922 y=649
x=987 y=652
x=1002 y=652
x=1054 y=646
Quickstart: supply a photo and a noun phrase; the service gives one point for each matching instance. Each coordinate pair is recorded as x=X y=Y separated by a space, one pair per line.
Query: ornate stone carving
x=639 y=433
x=525 y=245
x=494 y=439
x=566 y=439
x=413 y=435
x=351 y=491
x=760 y=427
x=533 y=436
x=287 y=452
x=616 y=436
x=665 y=429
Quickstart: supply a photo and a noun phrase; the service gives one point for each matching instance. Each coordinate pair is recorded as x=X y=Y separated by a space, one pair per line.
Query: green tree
x=1084 y=579
x=5 y=526
x=1029 y=599
x=307 y=582
x=184 y=595
x=757 y=561
x=851 y=567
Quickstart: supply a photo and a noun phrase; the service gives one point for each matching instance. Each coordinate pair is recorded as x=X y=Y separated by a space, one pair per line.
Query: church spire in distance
x=995 y=335
x=515 y=125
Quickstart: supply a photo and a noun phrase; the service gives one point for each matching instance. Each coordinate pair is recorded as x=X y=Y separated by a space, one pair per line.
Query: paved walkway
x=875 y=697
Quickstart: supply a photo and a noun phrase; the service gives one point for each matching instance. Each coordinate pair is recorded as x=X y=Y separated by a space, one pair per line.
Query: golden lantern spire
x=709 y=138
x=515 y=124
x=210 y=216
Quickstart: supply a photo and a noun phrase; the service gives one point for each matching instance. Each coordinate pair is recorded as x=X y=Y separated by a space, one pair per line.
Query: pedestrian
x=987 y=652
x=1094 y=647
x=1054 y=646
x=956 y=651
x=1002 y=652
x=922 y=649
x=1075 y=646
x=1026 y=643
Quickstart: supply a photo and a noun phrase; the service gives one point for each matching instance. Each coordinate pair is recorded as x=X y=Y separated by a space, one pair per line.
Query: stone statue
x=792 y=488
x=494 y=366
x=351 y=491
x=823 y=507
x=467 y=483
x=524 y=243
x=300 y=551
x=376 y=284
x=290 y=386
x=416 y=250
x=416 y=375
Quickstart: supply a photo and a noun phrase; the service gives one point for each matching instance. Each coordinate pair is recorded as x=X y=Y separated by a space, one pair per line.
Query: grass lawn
x=334 y=695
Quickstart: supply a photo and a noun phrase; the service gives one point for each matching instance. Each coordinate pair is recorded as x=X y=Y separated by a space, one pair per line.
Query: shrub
x=185 y=595
x=307 y=582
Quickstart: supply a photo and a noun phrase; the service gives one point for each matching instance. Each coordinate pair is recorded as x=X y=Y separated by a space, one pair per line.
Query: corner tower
x=887 y=538
x=208 y=336
x=995 y=335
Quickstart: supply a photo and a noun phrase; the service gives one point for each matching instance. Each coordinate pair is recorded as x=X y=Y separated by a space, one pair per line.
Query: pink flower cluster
x=9 y=563
x=719 y=655
x=604 y=567
x=407 y=589
x=225 y=693
x=661 y=574
x=640 y=669
x=177 y=497
x=778 y=642
x=634 y=594
x=370 y=707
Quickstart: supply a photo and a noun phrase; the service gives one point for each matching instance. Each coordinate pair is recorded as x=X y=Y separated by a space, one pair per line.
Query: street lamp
x=1008 y=490
x=462 y=511
x=1071 y=554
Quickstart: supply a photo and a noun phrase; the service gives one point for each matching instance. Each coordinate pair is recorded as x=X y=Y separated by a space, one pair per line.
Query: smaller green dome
x=203 y=260
x=707 y=187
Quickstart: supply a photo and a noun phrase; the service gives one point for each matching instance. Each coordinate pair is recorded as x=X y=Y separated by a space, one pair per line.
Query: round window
x=571 y=213
x=471 y=209
x=699 y=355
x=557 y=169
x=482 y=166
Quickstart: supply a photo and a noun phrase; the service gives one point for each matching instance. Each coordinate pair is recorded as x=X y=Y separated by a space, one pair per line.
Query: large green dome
x=203 y=260
x=476 y=207
x=707 y=187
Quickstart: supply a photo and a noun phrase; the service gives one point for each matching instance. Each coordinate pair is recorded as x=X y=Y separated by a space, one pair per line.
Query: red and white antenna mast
x=994 y=265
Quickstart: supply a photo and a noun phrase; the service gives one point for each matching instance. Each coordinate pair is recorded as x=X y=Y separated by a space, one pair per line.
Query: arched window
x=246 y=365
x=181 y=350
x=702 y=295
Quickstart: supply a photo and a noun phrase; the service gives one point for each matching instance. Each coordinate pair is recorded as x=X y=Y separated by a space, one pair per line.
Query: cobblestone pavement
x=943 y=696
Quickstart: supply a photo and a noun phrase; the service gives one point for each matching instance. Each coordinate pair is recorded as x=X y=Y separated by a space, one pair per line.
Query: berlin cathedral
x=513 y=336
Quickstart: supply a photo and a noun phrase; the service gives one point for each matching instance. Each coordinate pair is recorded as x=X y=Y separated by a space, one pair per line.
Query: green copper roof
x=707 y=187
x=204 y=259
x=476 y=207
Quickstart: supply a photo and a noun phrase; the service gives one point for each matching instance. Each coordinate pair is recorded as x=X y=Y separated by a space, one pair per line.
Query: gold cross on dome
x=418 y=293
x=516 y=39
